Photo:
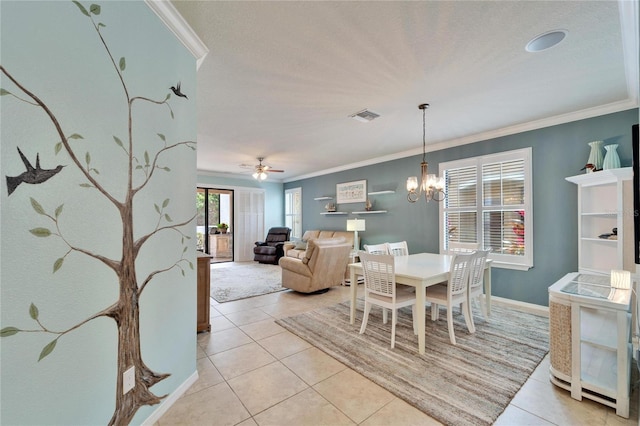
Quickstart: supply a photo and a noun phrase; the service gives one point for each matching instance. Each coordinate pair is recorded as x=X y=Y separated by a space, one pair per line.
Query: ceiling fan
x=261 y=170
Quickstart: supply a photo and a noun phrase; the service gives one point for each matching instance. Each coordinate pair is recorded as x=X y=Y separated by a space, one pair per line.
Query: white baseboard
x=170 y=400
x=523 y=306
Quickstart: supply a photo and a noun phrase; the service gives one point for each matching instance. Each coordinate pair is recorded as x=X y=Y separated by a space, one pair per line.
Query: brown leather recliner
x=271 y=249
x=322 y=266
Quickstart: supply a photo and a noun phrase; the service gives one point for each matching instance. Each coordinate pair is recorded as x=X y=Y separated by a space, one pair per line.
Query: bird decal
x=590 y=167
x=32 y=175
x=177 y=92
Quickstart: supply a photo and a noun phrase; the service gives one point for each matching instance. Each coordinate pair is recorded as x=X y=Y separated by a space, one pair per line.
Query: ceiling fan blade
x=274 y=170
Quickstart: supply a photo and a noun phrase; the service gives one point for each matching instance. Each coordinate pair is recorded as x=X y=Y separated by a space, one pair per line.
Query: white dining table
x=419 y=270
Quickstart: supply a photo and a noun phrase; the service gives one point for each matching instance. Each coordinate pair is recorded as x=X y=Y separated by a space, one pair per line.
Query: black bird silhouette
x=177 y=92
x=33 y=176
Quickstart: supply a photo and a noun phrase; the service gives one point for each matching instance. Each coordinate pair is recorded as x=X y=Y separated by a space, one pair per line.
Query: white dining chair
x=452 y=293
x=476 y=283
x=380 y=289
x=398 y=249
x=376 y=248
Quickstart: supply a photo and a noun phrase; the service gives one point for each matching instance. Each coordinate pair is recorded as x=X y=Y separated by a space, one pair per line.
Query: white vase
x=595 y=156
x=611 y=158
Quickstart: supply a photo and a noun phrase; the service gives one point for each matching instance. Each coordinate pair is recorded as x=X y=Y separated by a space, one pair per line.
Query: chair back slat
x=476 y=272
x=459 y=273
x=376 y=248
x=398 y=249
x=379 y=273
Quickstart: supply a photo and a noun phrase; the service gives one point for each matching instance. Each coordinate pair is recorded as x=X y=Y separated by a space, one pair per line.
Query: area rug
x=239 y=280
x=467 y=384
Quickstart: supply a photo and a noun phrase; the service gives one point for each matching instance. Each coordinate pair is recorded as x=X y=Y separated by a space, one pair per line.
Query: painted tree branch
x=155 y=162
x=140 y=242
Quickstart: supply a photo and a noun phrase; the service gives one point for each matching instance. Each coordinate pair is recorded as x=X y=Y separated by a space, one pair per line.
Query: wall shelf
x=369 y=212
x=333 y=213
x=323 y=198
x=382 y=192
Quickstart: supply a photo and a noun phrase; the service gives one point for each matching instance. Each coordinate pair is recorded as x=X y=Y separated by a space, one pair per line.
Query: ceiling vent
x=365 y=116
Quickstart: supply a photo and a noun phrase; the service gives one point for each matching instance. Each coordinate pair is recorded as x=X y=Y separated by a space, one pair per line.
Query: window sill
x=507 y=265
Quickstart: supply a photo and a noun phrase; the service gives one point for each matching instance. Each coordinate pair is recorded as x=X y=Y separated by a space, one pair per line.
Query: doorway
x=214 y=223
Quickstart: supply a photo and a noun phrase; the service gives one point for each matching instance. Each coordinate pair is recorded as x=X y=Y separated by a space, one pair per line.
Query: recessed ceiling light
x=364 y=116
x=546 y=40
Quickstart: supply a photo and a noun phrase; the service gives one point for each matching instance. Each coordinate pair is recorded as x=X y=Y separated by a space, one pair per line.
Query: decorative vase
x=611 y=159
x=368 y=206
x=595 y=156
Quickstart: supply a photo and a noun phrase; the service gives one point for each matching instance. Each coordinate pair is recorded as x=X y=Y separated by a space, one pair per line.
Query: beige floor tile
x=261 y=329
x=248 y=317
x=240 y=360
x=312 y=365
x=307 y=408
x=280 y=310
x=354 y=394
x=555 y=405
x=399 y=413
x=265 y=387
x=216 y=405
x=513 y=415
x=284 y=344
x=208 y=376
x=220 y=341
x=248 y=422
x=541 y=373
x=220 y=323
x=200 y=353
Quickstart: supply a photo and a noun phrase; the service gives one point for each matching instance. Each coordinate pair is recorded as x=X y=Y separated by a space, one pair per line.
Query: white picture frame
x=351 y=192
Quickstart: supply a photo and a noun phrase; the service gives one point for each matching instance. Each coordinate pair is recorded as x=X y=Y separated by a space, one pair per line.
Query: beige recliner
x=322 y=266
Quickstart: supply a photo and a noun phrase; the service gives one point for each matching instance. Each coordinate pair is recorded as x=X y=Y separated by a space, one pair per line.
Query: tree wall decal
x=141 y=169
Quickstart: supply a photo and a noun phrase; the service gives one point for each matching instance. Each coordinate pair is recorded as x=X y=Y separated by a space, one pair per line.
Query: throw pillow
x=301 y=245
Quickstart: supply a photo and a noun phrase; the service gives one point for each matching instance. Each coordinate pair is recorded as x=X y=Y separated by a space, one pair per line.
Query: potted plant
x=223 y=228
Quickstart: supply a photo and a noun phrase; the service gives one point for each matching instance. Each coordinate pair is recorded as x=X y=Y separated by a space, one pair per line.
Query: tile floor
x=254 y=372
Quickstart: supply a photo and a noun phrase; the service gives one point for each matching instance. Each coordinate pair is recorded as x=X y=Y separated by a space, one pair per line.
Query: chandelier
x=431 y=186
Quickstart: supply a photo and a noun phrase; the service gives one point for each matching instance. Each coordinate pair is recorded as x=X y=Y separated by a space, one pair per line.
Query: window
x=293 y=211
x=489 y=206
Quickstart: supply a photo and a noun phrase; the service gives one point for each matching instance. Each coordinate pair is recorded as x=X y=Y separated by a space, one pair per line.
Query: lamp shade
x=355 y=225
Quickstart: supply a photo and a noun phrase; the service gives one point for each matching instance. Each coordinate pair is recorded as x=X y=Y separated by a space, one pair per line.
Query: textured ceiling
x=282 y=78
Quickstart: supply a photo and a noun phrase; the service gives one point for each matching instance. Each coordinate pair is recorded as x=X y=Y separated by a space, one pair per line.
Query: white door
x=248 y=223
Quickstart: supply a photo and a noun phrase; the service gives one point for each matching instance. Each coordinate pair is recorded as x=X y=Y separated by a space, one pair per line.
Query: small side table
x=353 y=258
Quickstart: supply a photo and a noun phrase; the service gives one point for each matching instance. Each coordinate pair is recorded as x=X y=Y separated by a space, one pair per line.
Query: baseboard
x=170 y=400
x=523 y=306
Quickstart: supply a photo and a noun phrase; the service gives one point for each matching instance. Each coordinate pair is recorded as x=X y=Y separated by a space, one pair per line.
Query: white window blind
x=488 y=206
x=293 y=211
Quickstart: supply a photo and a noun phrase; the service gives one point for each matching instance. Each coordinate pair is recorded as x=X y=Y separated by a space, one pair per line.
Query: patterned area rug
x=239 y=280
x=467 y=384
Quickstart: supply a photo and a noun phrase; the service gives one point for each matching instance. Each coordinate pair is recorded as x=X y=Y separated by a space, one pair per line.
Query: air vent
x=365 y=116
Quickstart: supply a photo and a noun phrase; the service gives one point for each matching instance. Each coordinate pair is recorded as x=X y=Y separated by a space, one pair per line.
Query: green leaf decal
x=182 y=272
x=166 y=169
x=75 y=136
x=161 y=136
x=58 y=264
x=190 y=265
x=58 y=148
x=4 y=92
x=187 y=237
x=157 y=208
x=101 y=25
x=8 y=331
x=165 y=203
x=40 y=232
x=81 y=7
x=123 y=64
x=138 y=167
x=146 y=158
x=118 y=141
x=86 y=185
x=95 y=9
x=37 y=207
x=59 y=210
x=47 y=349
x=87 y=157
x=33 y=312
x=172 y=115
x=185 y=249
x=167 y=218
x=167 y=98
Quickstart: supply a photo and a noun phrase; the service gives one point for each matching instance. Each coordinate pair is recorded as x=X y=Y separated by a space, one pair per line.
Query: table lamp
x=355 y=225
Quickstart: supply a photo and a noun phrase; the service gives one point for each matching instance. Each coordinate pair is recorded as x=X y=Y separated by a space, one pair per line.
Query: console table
x=589 y=333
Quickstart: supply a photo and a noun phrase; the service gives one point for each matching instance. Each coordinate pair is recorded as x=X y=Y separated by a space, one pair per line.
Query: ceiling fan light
x=255 y=175
x=263 y=175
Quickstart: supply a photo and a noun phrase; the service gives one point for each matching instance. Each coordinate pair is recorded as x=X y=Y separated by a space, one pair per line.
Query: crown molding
x=174 y=21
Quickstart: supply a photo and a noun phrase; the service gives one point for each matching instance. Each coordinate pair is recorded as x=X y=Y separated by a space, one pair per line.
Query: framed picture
x=351 y=192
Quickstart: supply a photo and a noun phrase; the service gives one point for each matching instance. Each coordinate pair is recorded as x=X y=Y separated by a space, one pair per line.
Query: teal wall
x=54 y=51
x=558 y=151
x=273 y=196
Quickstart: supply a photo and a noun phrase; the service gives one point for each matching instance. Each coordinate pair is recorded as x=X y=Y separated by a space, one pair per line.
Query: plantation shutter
x=461 y=218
